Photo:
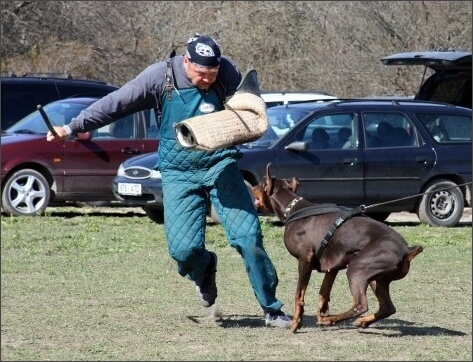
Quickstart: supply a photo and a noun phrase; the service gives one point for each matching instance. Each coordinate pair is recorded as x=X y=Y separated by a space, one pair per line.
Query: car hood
x=437 y=60
x=9 y=138
x=147 y=160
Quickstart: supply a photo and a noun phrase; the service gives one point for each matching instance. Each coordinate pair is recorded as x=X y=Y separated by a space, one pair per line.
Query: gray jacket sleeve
x=138 y=94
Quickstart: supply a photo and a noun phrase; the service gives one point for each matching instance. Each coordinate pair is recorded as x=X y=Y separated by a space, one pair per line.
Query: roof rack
x=394 y=100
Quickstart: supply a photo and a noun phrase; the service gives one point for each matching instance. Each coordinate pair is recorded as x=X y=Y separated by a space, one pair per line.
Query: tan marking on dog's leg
x=305 y=271
x=324 y=294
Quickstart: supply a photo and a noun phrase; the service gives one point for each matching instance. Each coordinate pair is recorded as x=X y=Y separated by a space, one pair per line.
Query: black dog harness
x=319 y=209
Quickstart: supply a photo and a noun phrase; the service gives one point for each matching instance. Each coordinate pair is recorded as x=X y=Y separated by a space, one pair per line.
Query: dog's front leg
x=324 y=295
x=305 y=270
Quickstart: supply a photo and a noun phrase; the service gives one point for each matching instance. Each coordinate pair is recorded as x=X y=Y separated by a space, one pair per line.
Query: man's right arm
x=138 y=94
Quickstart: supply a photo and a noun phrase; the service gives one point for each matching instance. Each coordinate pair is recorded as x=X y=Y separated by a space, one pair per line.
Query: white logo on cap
x=206 y=108
x=204 y=50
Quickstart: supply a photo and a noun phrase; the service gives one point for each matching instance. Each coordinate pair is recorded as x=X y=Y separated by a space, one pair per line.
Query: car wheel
x=379 y=216
x=25 y=193
x=442 y=204
x=213 y=214
x=157 y=215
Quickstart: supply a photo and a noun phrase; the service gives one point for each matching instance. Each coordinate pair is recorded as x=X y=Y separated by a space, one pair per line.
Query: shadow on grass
x=71 y=214
x=387 y=327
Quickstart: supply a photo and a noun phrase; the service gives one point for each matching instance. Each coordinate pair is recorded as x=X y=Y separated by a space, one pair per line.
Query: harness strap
x=344 y=216
x=169 y=78
x=344 y=212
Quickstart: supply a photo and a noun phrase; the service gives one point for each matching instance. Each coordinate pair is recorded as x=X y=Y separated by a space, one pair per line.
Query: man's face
x=201 y=77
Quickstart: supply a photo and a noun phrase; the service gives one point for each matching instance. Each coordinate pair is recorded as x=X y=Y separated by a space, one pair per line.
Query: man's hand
x=61 y=135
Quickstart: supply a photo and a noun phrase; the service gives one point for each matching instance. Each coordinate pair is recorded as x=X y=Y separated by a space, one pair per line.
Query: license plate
x=129 y=189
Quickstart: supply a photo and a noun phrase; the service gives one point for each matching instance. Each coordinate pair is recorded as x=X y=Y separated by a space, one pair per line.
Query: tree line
x=330 y=46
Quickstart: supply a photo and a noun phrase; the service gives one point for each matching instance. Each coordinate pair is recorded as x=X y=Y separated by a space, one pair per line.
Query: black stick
x=46 y=120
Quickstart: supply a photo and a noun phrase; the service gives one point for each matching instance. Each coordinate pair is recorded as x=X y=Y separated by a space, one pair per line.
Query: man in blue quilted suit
x=182 y=87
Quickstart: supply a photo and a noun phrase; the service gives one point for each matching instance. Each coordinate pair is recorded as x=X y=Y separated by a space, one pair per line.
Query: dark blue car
x=389 y=155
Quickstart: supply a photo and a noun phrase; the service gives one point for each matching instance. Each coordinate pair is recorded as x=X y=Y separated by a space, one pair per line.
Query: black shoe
x=206 y=286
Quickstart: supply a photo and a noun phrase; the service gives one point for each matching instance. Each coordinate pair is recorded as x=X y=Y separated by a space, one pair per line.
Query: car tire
x=25 y=193
x=156 y=215
x=213 y=214
x=442 y=204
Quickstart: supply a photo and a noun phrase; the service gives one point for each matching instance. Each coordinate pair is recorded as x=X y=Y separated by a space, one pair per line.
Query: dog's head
x=270 y=185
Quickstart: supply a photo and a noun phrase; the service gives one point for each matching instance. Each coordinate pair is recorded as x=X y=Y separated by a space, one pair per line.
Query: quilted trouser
x=185 y=208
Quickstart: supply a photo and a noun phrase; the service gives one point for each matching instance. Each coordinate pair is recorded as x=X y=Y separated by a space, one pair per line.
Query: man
x=186 y=86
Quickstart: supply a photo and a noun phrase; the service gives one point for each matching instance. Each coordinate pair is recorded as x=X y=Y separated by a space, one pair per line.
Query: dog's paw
x=364 y=322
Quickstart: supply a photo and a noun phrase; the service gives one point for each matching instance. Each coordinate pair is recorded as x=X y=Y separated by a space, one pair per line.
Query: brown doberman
x=373 y=253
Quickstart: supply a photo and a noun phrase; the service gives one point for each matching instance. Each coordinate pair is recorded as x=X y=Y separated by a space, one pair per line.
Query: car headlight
x=155 y=175
x=121 y=170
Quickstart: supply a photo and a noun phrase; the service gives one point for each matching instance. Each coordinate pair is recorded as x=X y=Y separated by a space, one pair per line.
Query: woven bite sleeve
x=244 y=119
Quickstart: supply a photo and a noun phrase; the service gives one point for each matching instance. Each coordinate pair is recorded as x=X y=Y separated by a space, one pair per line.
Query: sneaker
x=206 y=286
x=277 y=319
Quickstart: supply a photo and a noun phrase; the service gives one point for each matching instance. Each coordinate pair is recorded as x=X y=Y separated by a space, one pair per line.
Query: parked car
x=36 y=173
x=389 y=155
x=280 y=98
x=448 y=74
x=21 y=94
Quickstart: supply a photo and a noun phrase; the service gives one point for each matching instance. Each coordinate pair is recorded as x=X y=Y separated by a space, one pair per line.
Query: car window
x=18 y=102
x=333 y=131
x=452 y=90
x=282 y=119
x=388 y=129
x=447 y=128
x=58 y=113
x=61 y=113
x=152 y=122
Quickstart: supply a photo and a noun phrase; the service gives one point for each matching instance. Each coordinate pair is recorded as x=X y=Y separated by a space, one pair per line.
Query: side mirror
x=297 y=146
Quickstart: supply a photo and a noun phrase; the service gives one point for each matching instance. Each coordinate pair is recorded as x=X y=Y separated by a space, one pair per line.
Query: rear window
x=447 y=128
x=455 y=90
x=20 y=100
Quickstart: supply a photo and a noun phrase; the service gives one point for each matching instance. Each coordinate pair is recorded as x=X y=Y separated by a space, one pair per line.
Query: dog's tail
x=413 y=251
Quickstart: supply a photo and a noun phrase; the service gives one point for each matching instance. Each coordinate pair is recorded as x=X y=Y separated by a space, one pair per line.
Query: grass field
x=100 y=286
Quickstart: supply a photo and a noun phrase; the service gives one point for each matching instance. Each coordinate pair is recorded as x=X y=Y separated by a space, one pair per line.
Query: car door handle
x=130 y=151
x=421 y=159
x=349 y=161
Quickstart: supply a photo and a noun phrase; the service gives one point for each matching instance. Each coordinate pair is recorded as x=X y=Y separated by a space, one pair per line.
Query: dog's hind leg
x=386 y=306
x=324 y=294
x=305 y=271
x=358 y=283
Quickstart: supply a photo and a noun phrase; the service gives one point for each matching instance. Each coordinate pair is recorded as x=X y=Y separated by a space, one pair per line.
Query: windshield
x=58 y=113
x=281 y=120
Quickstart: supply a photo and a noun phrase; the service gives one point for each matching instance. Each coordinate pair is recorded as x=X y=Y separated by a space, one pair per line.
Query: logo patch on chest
x=206 y=108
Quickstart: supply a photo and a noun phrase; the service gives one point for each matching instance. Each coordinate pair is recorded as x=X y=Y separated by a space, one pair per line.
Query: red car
x=37 y=173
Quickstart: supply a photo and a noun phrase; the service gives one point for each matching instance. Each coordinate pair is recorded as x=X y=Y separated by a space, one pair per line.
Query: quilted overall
x=189 y=178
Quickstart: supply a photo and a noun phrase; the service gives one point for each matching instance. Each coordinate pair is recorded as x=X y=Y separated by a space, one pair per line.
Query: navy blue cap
x=204 y=51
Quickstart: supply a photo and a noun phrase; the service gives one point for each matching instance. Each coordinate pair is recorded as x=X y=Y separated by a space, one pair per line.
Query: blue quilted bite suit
x=189 y=178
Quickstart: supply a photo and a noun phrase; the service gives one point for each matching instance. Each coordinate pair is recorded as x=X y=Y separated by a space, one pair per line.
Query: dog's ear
x=268 y=185
x=293 y=184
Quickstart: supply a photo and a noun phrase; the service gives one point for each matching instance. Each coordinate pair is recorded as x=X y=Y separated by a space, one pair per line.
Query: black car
x=389 y=155
x=22 y=94
x=450 y=78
